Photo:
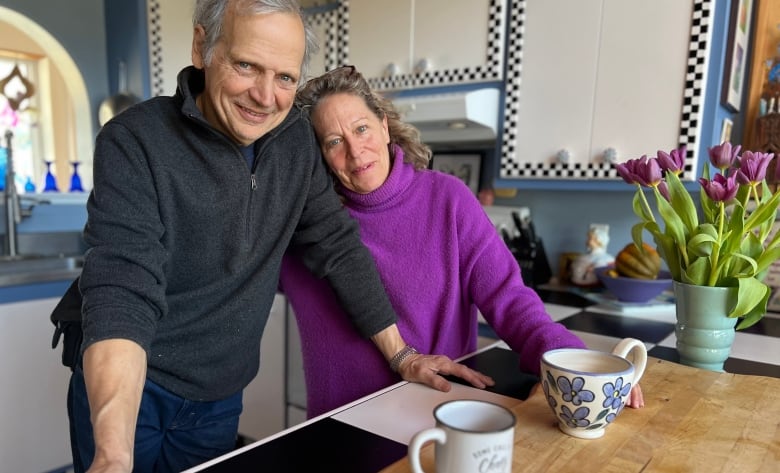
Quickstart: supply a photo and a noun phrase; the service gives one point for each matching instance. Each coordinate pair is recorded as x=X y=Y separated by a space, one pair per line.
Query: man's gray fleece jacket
x=185 y=241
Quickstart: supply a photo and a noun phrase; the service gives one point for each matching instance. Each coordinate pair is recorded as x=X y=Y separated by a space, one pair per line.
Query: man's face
x=253 y=75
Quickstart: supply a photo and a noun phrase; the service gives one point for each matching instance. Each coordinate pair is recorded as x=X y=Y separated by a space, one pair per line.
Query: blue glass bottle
x=50 y=184
x=3 y=160
x=29 y=186
x=75 y=179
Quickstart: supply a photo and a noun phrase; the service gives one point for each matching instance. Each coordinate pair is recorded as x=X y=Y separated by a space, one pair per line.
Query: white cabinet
x=264 y=398
x=34 y=432
x=627 y=76
x=411 y=43
x=296 y=383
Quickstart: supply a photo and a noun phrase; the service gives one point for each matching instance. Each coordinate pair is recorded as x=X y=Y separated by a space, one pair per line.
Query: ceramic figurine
x=582 y=268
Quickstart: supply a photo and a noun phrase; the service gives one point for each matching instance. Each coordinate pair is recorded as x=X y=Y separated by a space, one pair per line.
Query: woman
x=438 y=254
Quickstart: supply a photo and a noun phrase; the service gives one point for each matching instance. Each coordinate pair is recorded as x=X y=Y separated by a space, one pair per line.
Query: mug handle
x=435 y=434
x=639 y=355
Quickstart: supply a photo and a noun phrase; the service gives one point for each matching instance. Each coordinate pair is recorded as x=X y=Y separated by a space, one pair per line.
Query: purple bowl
x=633 y=289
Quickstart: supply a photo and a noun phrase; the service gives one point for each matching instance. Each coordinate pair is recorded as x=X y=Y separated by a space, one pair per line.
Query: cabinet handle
x=423 y=65
x=611 y=155
x=563 y=156
x=392 y=70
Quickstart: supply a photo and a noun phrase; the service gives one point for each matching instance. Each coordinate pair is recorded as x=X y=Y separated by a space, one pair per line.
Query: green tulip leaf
x=751 y=293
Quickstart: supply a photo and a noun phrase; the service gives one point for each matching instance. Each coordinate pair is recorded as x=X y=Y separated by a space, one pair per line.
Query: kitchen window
x=19 y=73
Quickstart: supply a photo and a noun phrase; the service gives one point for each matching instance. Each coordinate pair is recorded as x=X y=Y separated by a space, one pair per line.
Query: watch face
x=774 y=73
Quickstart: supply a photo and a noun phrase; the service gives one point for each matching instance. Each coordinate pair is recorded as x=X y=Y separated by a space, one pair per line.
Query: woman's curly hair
x=347 y=80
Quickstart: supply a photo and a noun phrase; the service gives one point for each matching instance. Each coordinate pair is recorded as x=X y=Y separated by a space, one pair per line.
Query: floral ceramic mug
x=587 y=389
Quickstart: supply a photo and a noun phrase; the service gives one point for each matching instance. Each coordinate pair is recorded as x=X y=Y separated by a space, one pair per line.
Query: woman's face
x=353 y=141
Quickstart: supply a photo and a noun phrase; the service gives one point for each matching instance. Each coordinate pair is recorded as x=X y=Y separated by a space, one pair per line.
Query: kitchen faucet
x=13 y=214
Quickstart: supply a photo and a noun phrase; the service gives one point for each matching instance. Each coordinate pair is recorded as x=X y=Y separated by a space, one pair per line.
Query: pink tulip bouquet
x=725 y=243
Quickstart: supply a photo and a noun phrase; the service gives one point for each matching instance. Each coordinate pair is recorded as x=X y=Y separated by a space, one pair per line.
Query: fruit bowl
x=633 y=289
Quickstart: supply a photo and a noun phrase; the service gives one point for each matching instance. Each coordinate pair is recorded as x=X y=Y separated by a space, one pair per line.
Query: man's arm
x=114 y=372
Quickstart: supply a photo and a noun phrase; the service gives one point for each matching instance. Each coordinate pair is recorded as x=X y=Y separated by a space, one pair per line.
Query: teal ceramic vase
x=704 y=331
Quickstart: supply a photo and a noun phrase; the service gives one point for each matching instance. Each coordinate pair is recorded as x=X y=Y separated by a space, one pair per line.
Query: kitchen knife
x=507 y=237
x=522 y=238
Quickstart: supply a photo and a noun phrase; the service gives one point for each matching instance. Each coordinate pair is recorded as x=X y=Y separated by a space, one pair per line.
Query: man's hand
x=429 y=370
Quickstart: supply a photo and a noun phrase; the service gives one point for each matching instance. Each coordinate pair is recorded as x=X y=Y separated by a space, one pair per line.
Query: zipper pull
x=254 y=182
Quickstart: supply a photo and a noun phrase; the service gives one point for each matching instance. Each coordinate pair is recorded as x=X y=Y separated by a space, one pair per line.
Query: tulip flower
x=727 y=242
x=673 y=161
x=720 y=188
x=752 y=167
x=643 y=171
x=723 y=156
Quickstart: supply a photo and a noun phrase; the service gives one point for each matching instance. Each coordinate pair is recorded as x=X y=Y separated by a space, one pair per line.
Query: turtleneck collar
x=399 y=179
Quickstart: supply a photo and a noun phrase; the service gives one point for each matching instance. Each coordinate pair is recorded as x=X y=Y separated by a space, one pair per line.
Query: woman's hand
x=635 y=397
x=429 y=370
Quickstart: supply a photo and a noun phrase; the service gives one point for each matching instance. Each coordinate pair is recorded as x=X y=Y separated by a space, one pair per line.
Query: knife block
x=533 y=263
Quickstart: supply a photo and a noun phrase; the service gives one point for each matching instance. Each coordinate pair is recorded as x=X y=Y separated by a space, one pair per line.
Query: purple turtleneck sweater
x=440 y=259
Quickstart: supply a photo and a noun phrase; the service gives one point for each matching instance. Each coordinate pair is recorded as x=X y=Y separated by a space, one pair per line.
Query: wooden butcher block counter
x=693 y=421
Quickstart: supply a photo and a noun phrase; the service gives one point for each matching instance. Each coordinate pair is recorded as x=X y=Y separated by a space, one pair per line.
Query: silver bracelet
x=399 y=357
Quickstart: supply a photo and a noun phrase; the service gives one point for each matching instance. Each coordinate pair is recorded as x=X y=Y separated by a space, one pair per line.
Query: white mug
x=587 y=389
x=471 y=436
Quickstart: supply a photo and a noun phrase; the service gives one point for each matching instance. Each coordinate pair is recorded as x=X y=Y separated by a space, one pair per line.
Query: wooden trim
x=8 y=53
x=766 y=38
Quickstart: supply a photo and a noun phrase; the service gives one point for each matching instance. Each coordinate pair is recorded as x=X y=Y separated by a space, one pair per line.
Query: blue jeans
x=172 y=433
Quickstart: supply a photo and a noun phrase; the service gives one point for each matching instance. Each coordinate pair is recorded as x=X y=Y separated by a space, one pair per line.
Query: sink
x=17 y=270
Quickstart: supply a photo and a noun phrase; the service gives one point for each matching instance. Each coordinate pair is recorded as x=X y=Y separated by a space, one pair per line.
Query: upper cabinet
x=592 y=82
x=400 y=44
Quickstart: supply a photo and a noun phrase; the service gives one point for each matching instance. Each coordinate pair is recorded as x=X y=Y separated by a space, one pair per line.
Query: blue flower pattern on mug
x=572 y=391
x=615 y=392
x=550 y=399
x=576 y=418
x=611 y=416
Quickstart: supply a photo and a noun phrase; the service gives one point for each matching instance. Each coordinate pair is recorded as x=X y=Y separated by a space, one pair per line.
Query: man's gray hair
x=210 y=14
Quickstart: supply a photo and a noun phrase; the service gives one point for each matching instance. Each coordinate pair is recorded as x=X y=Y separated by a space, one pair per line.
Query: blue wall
x=126 y=36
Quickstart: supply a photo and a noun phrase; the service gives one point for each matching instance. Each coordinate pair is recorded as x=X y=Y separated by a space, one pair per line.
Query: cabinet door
x=34 y=432
x=558 y=79
x=264 y=404
x=450 y=34
x=462 y=41
x=640 y=89
x=632 y=80
x=380 y=36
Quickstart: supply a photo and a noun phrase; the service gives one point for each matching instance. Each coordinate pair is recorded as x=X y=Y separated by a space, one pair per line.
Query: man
x=196 y=198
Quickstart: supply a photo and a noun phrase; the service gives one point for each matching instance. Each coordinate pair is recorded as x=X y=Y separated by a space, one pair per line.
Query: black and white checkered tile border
x=329 y=21
x=513 y=167
x=155 y=47
x=342 y=35
x=491 y=70
x=693 y=103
